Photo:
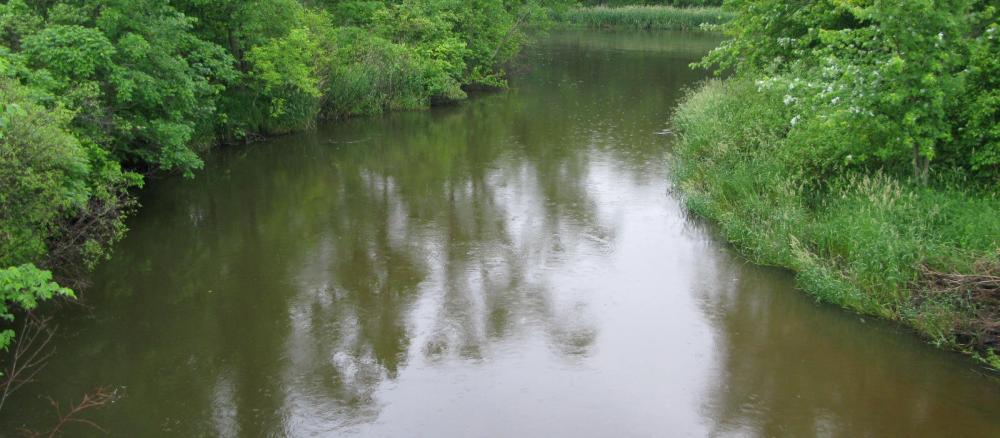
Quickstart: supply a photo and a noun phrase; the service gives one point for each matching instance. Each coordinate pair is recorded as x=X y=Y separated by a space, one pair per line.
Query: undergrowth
x=643 y=17
x=922 y=254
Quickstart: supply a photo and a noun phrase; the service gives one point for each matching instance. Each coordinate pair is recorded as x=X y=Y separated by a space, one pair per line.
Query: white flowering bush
x=857 y=143
x=914 y=80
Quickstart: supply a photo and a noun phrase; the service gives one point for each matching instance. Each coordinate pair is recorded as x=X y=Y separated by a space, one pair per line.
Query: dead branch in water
x=983 y=285
x=31 y=352
x=978 y=294
x=94 y=399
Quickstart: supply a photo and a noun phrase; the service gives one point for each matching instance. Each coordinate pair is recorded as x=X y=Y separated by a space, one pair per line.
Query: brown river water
x=513 y=266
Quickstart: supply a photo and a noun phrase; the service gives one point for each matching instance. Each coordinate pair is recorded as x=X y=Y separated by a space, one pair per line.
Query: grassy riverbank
x=644 y=17
x=861 y=154
x=870 y=242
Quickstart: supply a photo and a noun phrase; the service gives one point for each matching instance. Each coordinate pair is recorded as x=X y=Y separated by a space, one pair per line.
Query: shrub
x=675 y=3
x=24 y=286
x=914 y=80
x=644 y=17
x=50 y=188
x=864 y=240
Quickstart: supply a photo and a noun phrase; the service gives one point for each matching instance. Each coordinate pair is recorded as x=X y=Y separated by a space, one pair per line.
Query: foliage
x=855 y=144
x=45 y=173
x=52 y=187
x=24 y=286
x=288 y=73
x=644 y=17
x=95 y=92
x=979 y=113
x=141 y=83
x=860 y=242
x=894 y=73
x=675 y=3
x=362 y=57
x=377 y=75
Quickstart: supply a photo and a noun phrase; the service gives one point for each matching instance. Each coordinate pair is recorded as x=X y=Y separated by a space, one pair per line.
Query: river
x=514 y=265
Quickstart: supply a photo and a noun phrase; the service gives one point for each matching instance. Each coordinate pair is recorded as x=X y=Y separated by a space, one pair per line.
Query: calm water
x=516 y=265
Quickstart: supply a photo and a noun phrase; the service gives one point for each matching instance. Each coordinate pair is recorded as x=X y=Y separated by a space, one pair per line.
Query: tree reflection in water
x=426 y=231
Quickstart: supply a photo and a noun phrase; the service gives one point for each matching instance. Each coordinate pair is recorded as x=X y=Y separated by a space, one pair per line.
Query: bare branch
x=31 y=352
x=92 y=400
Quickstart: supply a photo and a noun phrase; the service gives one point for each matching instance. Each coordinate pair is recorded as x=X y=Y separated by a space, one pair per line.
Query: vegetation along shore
x=96 y=95
x=858 y=145
x=413 y=271
x=653 y=15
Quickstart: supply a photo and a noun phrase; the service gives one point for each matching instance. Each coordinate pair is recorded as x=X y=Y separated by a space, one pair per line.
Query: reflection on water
x=510 y=266
x=787 y=367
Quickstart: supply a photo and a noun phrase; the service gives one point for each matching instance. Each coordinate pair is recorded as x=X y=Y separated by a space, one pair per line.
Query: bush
x=45 y=174
x=644 y=17
x=856 y=144
x=374 y=75
x=979 y=107
x=914 y=80
x=862 y=240
x=62 y=202
x=24 y=286
x=675 y=3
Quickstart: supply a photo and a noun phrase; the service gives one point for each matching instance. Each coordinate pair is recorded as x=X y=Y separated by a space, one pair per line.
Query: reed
x=643 y=17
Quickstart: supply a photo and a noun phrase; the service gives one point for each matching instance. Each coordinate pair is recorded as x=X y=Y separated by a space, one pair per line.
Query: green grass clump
x=863 y=239
x=675 y=3
x=644 y=17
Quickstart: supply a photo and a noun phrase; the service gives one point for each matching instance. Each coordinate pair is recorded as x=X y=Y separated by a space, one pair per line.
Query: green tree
x=94 y=92
x=891 y=71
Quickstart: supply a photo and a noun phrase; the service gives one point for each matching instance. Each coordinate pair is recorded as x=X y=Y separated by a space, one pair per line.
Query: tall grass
x=676 y=3
x=864 y=241
x=643 y=17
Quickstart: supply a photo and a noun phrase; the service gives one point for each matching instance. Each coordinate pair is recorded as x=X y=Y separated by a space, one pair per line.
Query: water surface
x=516 y=265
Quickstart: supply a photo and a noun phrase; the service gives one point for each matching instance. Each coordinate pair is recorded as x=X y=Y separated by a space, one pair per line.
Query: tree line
x=97 y=94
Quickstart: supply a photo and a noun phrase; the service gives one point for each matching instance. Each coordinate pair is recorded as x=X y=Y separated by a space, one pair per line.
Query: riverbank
x=89 y=109
x=923 y=255
x=643 y=17
x=419 y=270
